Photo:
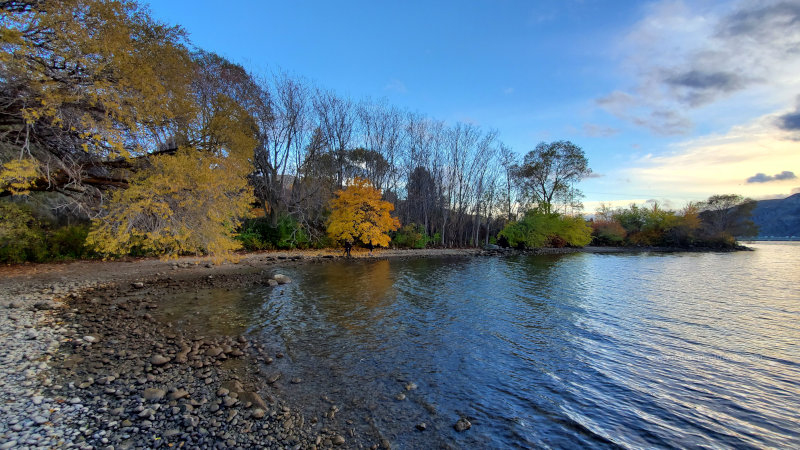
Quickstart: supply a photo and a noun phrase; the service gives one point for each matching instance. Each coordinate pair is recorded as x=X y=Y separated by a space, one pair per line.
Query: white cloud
x=719 y=164
x=688 y=62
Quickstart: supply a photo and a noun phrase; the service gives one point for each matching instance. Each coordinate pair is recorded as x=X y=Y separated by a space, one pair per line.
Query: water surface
x=593 y=350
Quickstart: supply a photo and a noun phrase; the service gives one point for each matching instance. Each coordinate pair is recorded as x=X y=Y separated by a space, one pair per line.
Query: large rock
x=282 y=279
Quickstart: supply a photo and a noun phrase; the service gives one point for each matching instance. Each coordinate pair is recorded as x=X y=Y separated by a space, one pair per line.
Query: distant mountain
x=778 y=218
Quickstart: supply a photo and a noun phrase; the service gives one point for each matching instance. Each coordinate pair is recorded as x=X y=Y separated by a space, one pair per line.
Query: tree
x=193 y=200
x=86 y=85
x=727 y=216
x=549 y=172
x=359 y=214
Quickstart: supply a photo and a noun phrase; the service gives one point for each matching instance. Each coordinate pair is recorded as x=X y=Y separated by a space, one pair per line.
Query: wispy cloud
x=684 y=56
x=594 y=130
x=764 y=178
x=396 y=86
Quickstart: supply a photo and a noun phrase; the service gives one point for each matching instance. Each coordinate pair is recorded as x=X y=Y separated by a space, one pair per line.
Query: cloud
x=594 y=130
x=682 y=57
x=763 y=21
x=796 y=190
x=594 y=175
x=508 y=91
x=661 y=121
x=396 y=86
x=697 y=86
x=719 y=164
x=764 y=178
x=790 y=121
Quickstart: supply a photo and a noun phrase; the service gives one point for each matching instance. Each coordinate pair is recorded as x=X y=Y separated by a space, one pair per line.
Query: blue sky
x=671 y=101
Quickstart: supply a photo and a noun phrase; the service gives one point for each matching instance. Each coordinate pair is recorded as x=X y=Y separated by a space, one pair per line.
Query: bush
x=21 y=237
x=411 y=236
x=69 y=242
x=538 y=229
x=608 y=232
x=259 y=234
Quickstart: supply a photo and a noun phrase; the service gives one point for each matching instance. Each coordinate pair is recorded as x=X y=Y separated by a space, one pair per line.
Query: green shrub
x=259 y=234
x=68 y=242
x=21 y=236
x=411 y=236
x=538 y=229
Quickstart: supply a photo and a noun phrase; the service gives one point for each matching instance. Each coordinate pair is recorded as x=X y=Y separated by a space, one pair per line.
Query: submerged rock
x=462 y=425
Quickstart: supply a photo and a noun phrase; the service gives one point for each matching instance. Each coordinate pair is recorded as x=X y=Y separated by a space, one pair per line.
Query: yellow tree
x=193 y=200
x=84 y=83
x=359 y=214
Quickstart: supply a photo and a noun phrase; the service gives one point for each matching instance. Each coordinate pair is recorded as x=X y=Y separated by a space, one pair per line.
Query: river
x=634 y=350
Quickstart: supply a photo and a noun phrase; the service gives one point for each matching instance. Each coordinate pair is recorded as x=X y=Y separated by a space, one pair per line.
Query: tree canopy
x=359 y=215
x=549 y=173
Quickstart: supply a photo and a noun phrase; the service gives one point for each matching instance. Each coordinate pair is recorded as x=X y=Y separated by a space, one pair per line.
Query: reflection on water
x=635 y=350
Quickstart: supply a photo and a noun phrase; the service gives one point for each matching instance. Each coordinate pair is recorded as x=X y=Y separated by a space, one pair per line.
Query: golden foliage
x=359 y=214
x=189 y=202
x=96 y=70
x=17 y=175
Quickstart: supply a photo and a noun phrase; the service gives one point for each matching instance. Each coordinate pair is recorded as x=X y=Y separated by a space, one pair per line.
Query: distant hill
x=778 y=218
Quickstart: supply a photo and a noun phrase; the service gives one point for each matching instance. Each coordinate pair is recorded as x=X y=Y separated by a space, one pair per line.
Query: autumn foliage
x=359 y=215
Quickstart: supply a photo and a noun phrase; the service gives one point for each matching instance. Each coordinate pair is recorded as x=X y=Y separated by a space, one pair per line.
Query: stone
x=153 y=394
x=272 y=379
x=90 y=339
x=296 y=380
x=259 y=413
x=159 y=360
x=172 y=432
x=338 y=440
x=138 y=285
x=462 y=425
x=254 y=398
x=214 y=351
x=272 y=283
x=281 y=278
x=422 y=426
x=400 y=396
x=233 y=386
x=229 y=401
x=40 y=420
x=222 y=392
x=178 y=394
x=411 y=386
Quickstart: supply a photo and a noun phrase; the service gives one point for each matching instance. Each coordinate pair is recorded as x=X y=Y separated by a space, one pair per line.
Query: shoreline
x=84 y=363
